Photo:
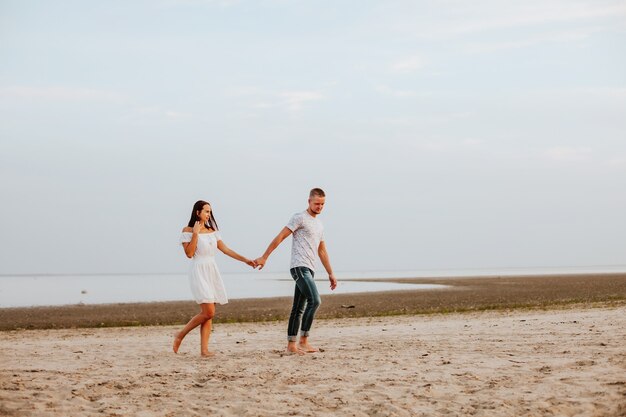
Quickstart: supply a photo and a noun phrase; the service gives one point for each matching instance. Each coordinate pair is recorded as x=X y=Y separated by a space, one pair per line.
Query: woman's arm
x=190 y=247
x=228 y=251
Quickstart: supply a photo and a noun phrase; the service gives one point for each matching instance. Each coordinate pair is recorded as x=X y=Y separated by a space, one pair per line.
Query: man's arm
x=323 y=254
x=273 y=245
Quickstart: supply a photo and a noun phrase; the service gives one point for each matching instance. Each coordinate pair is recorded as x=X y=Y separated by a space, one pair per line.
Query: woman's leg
x=207 y=312
x=205 y=333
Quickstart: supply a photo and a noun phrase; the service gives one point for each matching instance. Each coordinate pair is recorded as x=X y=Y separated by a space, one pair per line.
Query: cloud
x=292 y=101
x=408 y=65
x=540 y=13
x=441 y=145
x=464 y=18
x=385 y=90
x=617 y=162
x=570 y=36
x=135 y=111
x=613 y=93
x=67 y=94
x=471 y=142
x=263 y=105
x=196 y=3
x=244 y=91
x=176 y=116
x=295 y=100
x=567 y=153
x=151 y=114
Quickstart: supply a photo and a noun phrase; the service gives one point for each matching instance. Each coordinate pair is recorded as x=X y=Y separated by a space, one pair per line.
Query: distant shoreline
x=464 y=294
x=428 y=273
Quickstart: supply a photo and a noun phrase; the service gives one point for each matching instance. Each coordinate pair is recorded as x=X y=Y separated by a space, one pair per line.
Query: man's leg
x=308 y=288
x=299 y=301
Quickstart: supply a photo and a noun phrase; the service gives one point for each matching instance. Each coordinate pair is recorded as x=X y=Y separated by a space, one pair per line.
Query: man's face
x=316 y=204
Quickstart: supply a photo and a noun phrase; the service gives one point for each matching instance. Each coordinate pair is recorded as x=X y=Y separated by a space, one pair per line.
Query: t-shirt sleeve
x=218 y=235
x=295 y=223
x=185 y=237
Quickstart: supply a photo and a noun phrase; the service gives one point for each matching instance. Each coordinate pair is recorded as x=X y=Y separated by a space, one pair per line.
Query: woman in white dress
x=201 y=240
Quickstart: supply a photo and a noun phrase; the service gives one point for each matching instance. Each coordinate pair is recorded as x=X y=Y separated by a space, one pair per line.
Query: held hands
x=260 y=262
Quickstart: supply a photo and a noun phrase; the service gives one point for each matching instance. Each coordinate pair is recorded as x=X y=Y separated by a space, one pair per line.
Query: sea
x=27 y=290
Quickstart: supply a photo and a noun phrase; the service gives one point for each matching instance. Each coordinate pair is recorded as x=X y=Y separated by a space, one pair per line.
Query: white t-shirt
x=308 y=232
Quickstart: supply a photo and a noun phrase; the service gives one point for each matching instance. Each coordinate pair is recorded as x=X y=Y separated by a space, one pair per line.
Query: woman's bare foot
x=207 y=354
x=177 y=341
x=307 y=348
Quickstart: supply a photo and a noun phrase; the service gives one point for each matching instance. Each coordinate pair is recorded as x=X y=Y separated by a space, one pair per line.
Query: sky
x=447 y=134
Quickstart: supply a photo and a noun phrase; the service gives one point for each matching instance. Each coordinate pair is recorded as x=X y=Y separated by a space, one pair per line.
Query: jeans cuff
x=292 y=338
x=304 y=333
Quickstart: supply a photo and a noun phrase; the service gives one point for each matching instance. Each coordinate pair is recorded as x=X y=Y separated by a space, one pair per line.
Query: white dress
x=204 y=277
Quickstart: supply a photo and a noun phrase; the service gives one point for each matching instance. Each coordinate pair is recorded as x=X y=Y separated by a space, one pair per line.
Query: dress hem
x=211 y=302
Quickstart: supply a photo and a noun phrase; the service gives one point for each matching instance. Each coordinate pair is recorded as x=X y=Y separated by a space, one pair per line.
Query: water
x=40 y=290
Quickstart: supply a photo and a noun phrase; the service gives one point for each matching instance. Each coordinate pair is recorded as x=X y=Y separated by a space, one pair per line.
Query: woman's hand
x=250 y=263
x=196 y=228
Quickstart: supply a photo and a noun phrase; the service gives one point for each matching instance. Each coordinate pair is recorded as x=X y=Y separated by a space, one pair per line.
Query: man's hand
x=333 y=281
x=260 y=262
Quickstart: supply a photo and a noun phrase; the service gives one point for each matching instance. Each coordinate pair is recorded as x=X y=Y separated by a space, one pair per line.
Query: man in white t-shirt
x=308 y=240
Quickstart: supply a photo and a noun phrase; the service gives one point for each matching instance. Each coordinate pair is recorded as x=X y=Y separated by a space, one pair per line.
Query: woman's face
x=205 y=213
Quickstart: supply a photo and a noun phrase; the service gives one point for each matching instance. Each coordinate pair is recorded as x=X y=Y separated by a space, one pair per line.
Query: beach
x=569 y=361
x=503 y=346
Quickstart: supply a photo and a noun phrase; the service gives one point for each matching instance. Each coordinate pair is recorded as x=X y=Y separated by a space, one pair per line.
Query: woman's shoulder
x=187 y=229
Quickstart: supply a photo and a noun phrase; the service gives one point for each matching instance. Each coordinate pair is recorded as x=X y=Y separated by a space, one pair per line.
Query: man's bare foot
x=292 y=349
x=207 y=354
x=177 y=341
x=307 y=348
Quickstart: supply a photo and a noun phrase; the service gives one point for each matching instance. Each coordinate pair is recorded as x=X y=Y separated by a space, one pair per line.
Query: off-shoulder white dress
x=204 y=277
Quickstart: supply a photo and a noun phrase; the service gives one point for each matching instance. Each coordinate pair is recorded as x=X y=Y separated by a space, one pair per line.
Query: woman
x=200 y=239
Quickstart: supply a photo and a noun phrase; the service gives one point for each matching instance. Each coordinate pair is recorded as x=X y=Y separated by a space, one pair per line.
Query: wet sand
x=464 y=294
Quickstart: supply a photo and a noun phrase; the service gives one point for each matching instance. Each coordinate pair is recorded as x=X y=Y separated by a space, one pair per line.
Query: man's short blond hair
x=317 y=192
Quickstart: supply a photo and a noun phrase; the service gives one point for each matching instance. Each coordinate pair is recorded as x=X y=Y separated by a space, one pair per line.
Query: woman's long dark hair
x=194 y=216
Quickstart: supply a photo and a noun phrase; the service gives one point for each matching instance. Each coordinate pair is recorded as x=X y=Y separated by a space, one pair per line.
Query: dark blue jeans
x=306 y=300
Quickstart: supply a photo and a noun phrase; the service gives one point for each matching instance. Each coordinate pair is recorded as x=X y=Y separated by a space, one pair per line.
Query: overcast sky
x=447 y=134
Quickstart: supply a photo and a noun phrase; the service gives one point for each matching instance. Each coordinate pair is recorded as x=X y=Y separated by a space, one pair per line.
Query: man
x=308 y=238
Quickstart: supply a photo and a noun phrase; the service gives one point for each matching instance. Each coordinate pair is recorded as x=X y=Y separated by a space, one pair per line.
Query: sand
x=566 y=362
